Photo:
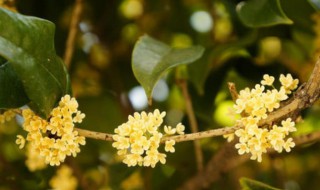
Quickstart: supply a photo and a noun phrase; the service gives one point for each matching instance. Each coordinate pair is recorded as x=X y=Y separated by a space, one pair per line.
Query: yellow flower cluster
x=34 y=160
x=64 y=180
x=54 y=139
x=7 y=116
x=255 y=104
x=138 y=139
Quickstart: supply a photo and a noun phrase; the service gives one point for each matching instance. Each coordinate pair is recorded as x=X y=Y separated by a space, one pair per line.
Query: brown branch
x=94 y=135
x=304 y=97
x=193 y=123
x=177 y=138
x=227 y=159
x=73 y=32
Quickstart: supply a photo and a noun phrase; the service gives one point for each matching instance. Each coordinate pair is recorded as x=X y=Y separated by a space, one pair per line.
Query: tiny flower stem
x=193 y=122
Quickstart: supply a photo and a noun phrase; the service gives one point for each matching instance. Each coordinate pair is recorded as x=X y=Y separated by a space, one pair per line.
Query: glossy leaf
x=151 y=59
x=12 y=94
x=249 y=184
x=28 y=44
x=262 y=13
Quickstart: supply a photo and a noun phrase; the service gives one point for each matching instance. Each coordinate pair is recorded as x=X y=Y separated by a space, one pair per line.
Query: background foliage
x=242 y=41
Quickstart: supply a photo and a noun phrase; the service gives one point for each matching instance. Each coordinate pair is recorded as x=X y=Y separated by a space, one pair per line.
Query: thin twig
x=233 y=91
x=203 y=134
x=176 y=138
x=73 y=32
x=193 y=123
x=94 y=135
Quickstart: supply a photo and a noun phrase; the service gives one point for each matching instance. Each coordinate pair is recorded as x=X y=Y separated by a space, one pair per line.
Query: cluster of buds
x=54 y=139
x=254 y=105
x=139 y=138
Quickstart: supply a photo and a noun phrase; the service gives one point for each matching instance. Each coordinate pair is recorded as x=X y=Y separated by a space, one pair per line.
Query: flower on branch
x=254 y=105
x=7 y=115
x=54 y=139
x=138 y=140
x=267 y=80
x=288 y=83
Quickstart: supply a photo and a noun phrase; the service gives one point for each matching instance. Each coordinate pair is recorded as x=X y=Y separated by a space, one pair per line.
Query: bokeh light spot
x=138 y=98
x=160 y=91
x=201 y=21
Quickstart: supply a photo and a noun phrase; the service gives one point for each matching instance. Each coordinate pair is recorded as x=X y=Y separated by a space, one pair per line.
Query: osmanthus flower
x=64 y=179
x=54 y=139
x=7 y=115
x=138 y=140
x=267 y=80
x=255 y=105
x=20 y=141
x=34 y=161
x=288 y=83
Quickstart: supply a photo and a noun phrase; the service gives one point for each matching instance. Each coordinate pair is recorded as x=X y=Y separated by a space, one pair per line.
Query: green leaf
x=249 y=184
x=28 y=44
x=262 y=13
x=2 y=61
x=12 y=94
x=151 y=59
x=217 y=57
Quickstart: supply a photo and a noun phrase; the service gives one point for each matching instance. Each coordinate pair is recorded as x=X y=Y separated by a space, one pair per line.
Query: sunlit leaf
x=249 y=184
x=315 y=4
x=28 y=44
x=151 y=59
x=12 y=94
x=261 y=13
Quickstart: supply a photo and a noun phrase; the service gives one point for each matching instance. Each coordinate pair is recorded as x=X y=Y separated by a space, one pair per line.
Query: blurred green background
x=104 y=84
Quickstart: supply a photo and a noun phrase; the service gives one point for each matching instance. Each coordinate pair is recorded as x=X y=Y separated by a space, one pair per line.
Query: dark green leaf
x=261 y=13
x=28 y=44
x=2 y=60
x=249 y=184
x=12 y=94
x=152 y=58
x=212 y=60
